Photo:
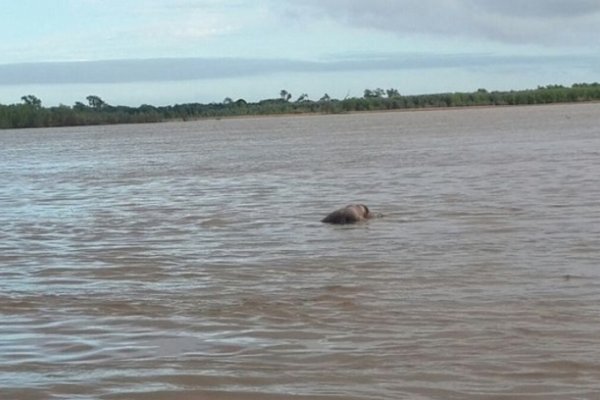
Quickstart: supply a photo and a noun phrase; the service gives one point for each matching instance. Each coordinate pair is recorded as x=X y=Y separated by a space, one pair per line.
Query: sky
x=161 y=52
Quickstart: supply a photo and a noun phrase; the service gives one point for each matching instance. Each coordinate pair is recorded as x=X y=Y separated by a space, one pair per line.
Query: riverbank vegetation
x=31 y=113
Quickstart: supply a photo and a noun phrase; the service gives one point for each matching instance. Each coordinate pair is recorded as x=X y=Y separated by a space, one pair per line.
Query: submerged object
x=350 y=214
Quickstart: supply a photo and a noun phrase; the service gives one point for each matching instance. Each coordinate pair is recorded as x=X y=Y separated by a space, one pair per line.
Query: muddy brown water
x=187 y=260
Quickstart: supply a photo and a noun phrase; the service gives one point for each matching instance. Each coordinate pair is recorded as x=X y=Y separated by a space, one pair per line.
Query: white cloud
x=194 y=26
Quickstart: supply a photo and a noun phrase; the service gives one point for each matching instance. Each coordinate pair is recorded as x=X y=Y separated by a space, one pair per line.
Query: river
x=188 y=260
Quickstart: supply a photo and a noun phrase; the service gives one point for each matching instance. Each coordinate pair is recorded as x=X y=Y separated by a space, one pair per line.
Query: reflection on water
x=188 y=261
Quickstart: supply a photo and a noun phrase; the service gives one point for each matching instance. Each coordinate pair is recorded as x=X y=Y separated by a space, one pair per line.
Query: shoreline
x=31 y=113
x=316 y=114
x=397 y=110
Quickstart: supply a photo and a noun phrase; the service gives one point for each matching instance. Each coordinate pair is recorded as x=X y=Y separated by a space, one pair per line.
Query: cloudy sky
x=175 y=51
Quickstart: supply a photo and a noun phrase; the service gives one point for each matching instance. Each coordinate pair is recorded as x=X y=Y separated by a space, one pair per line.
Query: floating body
x=349 y=215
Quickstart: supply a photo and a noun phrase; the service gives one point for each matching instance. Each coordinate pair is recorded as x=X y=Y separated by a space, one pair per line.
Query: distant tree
x=31 y=100
x=227 y=100
x=285 y=95
x=96 y=102
x=374 y=93
x=147 y=108
x=392 y=93
x=79 y=106
x=303 y=97
x=325 y=97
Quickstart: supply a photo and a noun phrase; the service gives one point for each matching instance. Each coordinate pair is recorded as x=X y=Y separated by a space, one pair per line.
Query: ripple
x=188 y=261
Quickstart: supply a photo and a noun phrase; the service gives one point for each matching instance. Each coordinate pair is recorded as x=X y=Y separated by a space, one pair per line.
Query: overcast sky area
x=162 y=52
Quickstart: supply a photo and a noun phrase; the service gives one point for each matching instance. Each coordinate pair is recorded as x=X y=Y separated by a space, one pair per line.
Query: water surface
x=187 y=260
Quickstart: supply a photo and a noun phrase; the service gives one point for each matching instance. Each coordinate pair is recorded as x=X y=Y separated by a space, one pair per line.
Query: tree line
x=31 y=113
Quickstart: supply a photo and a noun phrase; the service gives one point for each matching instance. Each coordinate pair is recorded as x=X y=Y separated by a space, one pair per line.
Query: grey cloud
x=160 y=70
x=147 y=70
x=549 y=22
x=538 y=9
